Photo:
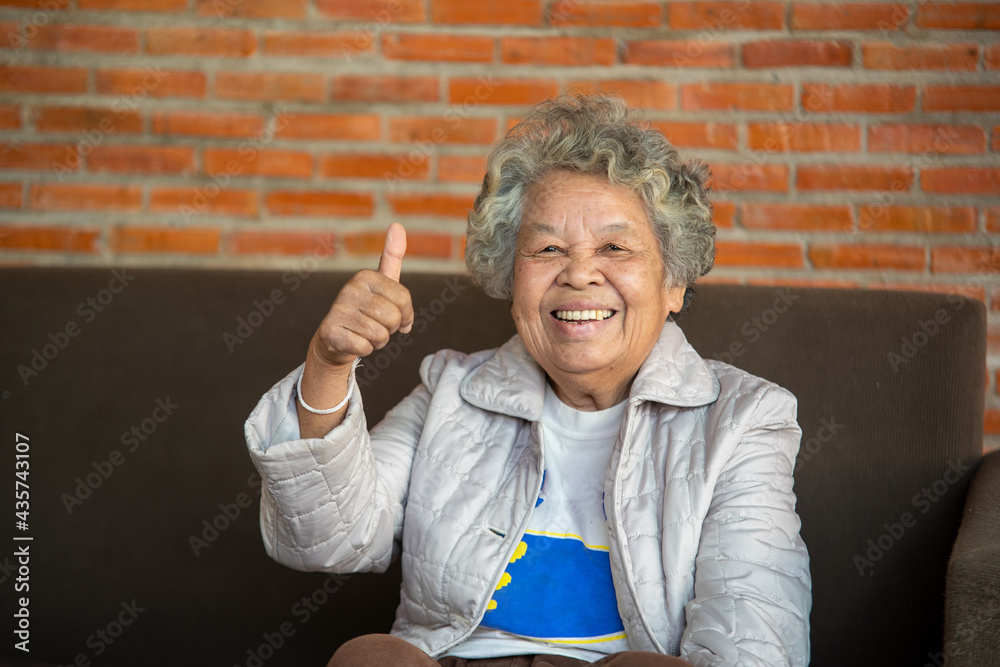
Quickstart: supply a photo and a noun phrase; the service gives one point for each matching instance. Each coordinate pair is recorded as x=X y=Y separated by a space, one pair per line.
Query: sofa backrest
x=133 y=385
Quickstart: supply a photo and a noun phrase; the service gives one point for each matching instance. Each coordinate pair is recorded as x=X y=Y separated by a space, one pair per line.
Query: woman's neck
x=590 y=396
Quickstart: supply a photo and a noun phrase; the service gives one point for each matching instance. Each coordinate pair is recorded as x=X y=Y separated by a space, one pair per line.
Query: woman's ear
x=675 y=298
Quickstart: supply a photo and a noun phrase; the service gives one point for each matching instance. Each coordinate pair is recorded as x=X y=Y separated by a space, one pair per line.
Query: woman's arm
x=333 y=503
x=752 y=582
x=332 y=497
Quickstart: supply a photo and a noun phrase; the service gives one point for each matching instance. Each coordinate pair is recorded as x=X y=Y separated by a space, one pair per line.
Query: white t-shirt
x=557 y=595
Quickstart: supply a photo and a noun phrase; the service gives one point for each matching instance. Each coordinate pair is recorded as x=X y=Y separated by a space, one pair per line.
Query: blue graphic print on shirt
x=557 y=588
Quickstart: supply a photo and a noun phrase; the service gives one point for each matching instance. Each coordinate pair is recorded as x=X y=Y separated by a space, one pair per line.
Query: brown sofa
x=132 y=388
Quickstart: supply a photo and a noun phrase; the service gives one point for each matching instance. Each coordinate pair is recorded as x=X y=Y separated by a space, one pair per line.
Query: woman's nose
x=581 y=271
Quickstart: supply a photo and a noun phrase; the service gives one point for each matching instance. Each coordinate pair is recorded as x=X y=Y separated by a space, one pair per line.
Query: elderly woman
x=591 y=492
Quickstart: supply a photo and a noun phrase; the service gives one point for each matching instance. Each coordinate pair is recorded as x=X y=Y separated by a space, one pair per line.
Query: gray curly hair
x=590 y=134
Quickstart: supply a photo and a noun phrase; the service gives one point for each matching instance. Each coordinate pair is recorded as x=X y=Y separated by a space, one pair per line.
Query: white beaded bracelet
x=350 y=390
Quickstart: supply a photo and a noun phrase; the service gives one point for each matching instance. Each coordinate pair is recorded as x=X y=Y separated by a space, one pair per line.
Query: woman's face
x=590 y=295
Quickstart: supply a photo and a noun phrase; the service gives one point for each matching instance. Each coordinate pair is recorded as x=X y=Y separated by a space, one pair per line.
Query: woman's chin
x=575 y=367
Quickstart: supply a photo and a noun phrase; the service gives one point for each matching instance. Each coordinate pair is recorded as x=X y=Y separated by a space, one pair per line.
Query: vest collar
x=513 y=383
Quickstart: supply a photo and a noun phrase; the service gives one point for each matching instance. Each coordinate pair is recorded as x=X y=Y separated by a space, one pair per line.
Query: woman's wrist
x=323 y=392
x=338 y=406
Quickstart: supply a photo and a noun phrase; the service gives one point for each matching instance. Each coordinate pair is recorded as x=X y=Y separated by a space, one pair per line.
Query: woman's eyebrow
x=616 y=227
x=539 y=228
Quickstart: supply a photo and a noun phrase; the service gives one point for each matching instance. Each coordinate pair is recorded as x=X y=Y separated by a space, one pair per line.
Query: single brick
x=374 y=12
x=35 y=156
x=723 y=213
x=961 y=180
x=203 y=200
x=446 y=205
x=268 y=86
x=15 y=35
x=134 y=5
x=993 y=221
x=473 y=92
x=802 y=137
x=76 y=197
x=260 y=242
x=81 y=119
x=141 y=159
x=257 y=162
x=358 y=88
x=854 y=177
x=679 y=53
x=34 y=4
x=849 y=16
x=946 y=219
x=767 y=255
x=962 y=98
x=219 y=42
x=10 y=117
x=343 y=43
x=805 y=217
x=967 y=259
x=10 y=195
x=415 y=165
x=959 y=15
x=311 y=203
x=991 y=57
x=821 y=98
x=151 y=82
x=566 y=51
x=713 y=16
x=152 y=239
x=940 y=139
x=328 y=126
x=253 y=9
x=199 y=124
x=30 y=79
x=453 y=129
x=509 y=12
x=951 y=57
x=611 y=14
x=48 y=238
x=93 y=38
x=844 y=256
x=797 y=53
x=991 y=421
x=435 y=47
x=737 y=96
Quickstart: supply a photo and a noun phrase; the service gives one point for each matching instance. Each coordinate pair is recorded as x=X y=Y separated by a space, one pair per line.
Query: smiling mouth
x=582 y=315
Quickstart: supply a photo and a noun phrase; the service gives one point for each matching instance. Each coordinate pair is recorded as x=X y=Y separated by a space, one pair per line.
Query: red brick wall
x=852 y=143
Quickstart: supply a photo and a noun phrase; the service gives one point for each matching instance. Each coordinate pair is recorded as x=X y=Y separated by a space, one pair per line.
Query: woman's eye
x=612 y=246
x=549 y=248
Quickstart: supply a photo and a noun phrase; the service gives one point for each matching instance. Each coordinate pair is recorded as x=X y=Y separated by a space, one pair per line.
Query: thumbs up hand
x=371 y=307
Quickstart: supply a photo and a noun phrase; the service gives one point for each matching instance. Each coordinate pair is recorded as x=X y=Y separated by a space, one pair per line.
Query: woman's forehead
x=542 y=228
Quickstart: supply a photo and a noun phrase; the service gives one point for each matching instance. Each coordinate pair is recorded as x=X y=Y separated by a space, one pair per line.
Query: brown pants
x=389 y=651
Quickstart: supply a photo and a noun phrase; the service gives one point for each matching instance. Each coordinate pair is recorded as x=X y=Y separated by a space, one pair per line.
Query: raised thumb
x=391 y=262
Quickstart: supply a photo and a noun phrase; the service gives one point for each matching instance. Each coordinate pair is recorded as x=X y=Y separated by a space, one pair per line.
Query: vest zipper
x=519 y=534
x=615 y=521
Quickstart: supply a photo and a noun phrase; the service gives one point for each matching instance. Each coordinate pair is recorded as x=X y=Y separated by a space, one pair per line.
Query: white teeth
x=583 y=315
